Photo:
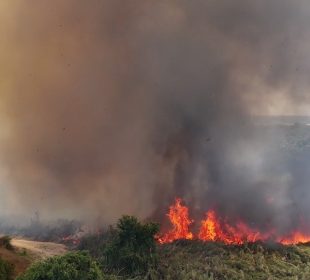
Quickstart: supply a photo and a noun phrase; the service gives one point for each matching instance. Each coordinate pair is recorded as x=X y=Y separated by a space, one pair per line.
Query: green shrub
x=5 y=242
x=131 y=251
x=6 y=270
x=72 y=266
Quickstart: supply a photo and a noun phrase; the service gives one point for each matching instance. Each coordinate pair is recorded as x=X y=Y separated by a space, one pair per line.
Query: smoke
x=113 y=107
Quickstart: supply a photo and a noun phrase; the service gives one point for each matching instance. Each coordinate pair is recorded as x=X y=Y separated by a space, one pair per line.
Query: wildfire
x=179 y=218
x=295 y=238
x=215 y=228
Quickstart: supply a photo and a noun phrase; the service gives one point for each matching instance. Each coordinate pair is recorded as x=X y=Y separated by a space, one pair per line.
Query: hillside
x=197 y=260
x=213 y=261
x=25 y=252
x=20 y=261
x=39 y=250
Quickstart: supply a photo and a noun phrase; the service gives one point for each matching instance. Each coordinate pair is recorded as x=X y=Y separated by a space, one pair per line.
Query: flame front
x=295 y=238
x=218 y=229
x=179 y=218
x=213 y=229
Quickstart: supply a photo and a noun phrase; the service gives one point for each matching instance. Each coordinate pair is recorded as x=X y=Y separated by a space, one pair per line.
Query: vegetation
x=197 y=260
x=95 y=244
x=129 y=251
x=72 y=266
x=119 y=251
x=6 y=270
x=132 y=250
x=5 y=242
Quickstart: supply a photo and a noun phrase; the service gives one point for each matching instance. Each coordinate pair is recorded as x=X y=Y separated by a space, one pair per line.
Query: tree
x=133 y=248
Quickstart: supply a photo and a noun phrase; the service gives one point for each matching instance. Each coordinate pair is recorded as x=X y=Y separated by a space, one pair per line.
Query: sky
x=105 y=105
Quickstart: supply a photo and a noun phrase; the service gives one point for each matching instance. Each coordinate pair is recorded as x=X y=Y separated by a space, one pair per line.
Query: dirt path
x=40 y=250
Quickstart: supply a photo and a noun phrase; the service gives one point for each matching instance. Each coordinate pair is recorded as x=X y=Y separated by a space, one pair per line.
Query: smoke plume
x=116 y=107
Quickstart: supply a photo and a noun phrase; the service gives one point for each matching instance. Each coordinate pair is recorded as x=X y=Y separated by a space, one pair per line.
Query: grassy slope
x=196 y=260
x=24 y=253
x=20 y=260
x=214 y=261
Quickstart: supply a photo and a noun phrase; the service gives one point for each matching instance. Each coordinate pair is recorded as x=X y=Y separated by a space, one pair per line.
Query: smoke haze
x=113 y=107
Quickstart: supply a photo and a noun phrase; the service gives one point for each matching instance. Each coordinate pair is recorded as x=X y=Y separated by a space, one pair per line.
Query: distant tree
x=72 y=266
x=5 y=242
x=132 y=250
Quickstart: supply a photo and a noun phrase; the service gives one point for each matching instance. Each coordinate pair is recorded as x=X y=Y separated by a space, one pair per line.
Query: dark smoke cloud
x=112 y=107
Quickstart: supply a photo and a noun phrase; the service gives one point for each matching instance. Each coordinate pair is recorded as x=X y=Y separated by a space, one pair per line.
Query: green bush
x=6 y=270
x=132 y=250
x=72 y=266
x=5 y=242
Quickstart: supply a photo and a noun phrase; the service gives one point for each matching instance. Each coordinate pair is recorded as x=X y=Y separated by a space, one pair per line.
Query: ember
x=215 y=228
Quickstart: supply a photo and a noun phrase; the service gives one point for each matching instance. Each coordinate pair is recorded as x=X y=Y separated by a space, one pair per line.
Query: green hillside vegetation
x=129 y=251
x=6 y=270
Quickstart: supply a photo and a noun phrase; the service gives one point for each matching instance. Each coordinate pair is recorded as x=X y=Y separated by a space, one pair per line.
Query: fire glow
x=218 y=229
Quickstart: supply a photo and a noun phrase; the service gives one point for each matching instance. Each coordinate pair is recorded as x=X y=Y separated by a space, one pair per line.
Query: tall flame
x=215 y=228
x=179 y=218
x=209 y=228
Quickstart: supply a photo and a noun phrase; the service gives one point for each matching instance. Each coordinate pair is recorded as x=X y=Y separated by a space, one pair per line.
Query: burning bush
x=73 y=266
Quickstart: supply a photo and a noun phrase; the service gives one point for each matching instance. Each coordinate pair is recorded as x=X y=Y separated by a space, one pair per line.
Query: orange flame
x=209 y=227
x=295 y=238
x=179 y=218
x=214 y=228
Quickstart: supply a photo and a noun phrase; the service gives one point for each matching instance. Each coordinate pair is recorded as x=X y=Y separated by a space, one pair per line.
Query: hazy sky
x=103 y=103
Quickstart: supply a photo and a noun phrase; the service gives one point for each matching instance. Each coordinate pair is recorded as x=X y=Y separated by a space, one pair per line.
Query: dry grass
x=22 y=253
x=39 y=250
x=20 y=262
x=197 y=260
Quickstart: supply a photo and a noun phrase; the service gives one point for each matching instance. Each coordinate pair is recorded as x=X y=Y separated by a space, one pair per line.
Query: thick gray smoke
x=112 y=107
